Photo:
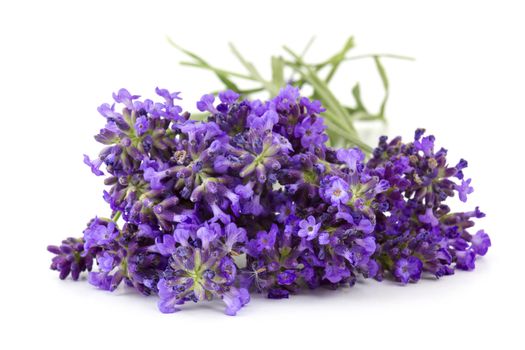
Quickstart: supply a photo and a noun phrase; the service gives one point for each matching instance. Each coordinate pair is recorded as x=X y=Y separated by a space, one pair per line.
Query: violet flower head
x=195 y=274
x=71 y=258
x=420 y=182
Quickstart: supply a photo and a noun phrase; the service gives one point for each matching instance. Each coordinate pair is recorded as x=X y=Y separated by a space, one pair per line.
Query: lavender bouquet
x=251 y=199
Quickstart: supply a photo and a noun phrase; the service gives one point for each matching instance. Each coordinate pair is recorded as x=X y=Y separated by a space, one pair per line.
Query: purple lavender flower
x=94 y=165
x=324 y=238
x=286 y=277
x=480 y=242
x=286 y=212
x=71 y=258
x=466 y=259
x=426 y=145
x=308 y=228
x=464 y=189
x=311 y=131
x=420 y=182
x=235 y=299
x=228 y=96
x=263 y=241
x=169 y=97
x=335 y=191
x=100 y=280
x=429 y=217
x=108 y=112
x=141 y=125
x=286 y=98
x=194 y=275
x=206 y=104
x=99 y=232
x=408 y=269
x=106 y=261
x=352 y=157
x=367 y=243
x=166 y=245
x=312 y=107
x=264 y=122
x=278 y=293
x=123 y=96
x=234 y=236
x=105 y=281
x=208 y=233
x=336 y=271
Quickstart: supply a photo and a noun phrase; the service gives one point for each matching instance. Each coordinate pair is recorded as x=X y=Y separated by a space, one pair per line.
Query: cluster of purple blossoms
x=419 y=232
x=253 y=200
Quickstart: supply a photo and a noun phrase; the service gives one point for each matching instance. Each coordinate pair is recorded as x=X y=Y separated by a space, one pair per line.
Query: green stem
x=253 y=71
x=351 y=140
x=116 y=216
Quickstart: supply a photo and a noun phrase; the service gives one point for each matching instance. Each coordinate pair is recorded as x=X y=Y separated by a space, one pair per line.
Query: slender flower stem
x=116 y=216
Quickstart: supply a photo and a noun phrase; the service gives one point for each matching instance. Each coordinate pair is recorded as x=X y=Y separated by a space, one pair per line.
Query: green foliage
x=340 y=118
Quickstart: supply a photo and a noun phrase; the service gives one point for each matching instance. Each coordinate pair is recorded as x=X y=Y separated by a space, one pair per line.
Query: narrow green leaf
x=384 y=80
x=307 y=47
x=250 y=91
x=324 y=92
x=277 y=72
x=338 y=58
x=356 y=92
x=329 y=98
x=334 y=119
x=253 y=71
x=229 y=84
x=353 y=141
x=222 y=77
x=188 y=53
x=249 y=66
x=382 y=72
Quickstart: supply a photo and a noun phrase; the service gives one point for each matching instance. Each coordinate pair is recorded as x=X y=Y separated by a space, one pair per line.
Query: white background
x=60 y=60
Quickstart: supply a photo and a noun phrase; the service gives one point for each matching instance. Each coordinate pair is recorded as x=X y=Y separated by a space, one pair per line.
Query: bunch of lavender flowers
x=420 y=232
x=253 y=200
